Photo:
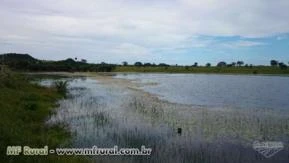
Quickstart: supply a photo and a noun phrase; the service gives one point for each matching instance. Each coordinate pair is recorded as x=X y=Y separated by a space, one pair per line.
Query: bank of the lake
x=24 y=109
x=213 y=70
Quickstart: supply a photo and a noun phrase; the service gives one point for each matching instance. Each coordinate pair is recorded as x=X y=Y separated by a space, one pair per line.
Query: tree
x=229 y=65
x=138 y=64
x=283 y=66
x=274 y=63
x=195 y=64
x=240 y=63
x=222 y=64
x=124 y=63
x=83 y=60
x=147 y=64
x=164 y=65
x=208 y=65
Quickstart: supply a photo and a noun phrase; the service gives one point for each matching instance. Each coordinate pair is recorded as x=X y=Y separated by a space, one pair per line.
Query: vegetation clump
x=61 y=86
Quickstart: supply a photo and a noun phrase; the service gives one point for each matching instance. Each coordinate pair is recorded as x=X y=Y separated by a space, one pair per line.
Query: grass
x=189 y=69
x=24 y=109
x=61 y=86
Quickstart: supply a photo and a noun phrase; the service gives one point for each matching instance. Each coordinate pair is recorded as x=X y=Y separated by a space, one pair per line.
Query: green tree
x=147 y=64
x=124 y=63
x=222 y=64
x=195 y=64
x=163 y=65
x=208 y=65
x=283 y=66
x=138 y=64
x=240 y=63
x=274 y=63
x=83 y=60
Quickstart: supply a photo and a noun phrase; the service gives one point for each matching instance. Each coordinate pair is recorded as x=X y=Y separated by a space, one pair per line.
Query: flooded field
x=183 y=118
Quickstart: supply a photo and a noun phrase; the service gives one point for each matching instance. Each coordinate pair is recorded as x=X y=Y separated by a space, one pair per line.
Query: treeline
x=273 y=63
x=146 y=64
x=25 y=62
x=276 y=63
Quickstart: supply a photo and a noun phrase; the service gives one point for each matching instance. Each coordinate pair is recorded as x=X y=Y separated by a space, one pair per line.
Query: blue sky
x=170 y=31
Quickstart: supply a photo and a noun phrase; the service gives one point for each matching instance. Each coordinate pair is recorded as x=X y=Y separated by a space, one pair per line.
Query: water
x=148 y=109
x=238 y=91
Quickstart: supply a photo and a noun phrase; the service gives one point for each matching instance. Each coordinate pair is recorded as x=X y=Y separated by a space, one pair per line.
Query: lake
x=220 y=116
x=238 y=91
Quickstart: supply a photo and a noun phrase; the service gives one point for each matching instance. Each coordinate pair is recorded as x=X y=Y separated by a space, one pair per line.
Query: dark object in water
x=179 y=131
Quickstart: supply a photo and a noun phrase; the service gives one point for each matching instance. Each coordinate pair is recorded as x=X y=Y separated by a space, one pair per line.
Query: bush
x=61 y=86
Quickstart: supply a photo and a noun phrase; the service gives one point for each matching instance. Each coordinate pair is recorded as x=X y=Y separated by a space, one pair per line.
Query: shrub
x=61 y=86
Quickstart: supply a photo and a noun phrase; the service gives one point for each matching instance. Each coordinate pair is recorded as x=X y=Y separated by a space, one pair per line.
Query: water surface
x=238 y=91
x=148 y=109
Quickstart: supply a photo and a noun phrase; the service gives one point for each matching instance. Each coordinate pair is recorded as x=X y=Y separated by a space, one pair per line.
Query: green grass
x=24 y=109
x=189 y=69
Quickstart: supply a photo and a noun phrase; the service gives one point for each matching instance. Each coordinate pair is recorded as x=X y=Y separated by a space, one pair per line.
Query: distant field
x=184 y=69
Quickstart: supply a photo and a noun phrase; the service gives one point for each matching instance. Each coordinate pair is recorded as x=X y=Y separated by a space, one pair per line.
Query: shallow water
x=105 y=113
x=237 y=91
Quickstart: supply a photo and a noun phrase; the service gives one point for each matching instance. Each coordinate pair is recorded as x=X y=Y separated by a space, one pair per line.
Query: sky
x=156 y=31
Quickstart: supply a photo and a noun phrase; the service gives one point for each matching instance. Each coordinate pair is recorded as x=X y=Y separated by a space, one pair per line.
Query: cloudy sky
x=170 y=31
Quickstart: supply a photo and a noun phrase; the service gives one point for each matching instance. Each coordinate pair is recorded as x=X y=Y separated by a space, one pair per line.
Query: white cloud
x=115 y=27
x=242 y=43
x=129 y=50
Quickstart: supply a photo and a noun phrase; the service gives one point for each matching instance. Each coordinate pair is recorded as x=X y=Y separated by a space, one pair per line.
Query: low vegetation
x=61 y=86
x=24 y=109
x=222 y=67
x=203 y=69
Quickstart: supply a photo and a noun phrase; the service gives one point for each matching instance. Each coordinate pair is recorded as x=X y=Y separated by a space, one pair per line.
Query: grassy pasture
x=219 y=70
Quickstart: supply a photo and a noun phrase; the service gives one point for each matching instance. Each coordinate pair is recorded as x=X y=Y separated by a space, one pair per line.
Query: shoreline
x=25 y=106
x=88 y=74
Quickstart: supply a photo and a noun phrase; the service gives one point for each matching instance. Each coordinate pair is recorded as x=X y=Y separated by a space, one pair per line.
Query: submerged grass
x=241 y=124
x=222 y=135
x=24 y=108
x=208 y=135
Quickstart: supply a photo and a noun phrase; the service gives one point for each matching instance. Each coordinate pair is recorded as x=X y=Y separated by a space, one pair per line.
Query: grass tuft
x=61 y=86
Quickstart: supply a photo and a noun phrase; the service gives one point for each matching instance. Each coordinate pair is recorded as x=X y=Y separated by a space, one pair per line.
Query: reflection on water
x=106 y=115
x=240 y=91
